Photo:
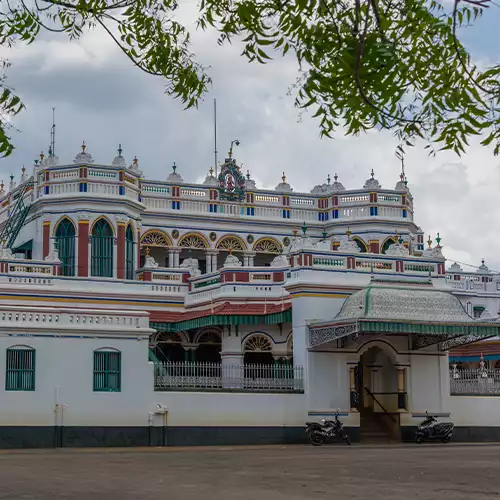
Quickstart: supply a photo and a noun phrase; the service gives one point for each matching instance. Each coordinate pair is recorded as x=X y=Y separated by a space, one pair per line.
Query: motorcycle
x=326 y=430
x=432 y=430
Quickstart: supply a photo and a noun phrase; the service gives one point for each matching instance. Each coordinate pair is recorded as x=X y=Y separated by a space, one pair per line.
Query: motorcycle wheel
x=345 y=437
x=445 y=440
x=315 y=438
x=420 y=439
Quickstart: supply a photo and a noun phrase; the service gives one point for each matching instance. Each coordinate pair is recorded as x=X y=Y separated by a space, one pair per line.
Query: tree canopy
x=364 y=64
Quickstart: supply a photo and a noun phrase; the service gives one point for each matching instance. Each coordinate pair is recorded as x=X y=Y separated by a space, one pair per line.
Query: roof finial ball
x=348 y=233
x=120 y=150
x=372 y=174
x=283 y=178
x=438 y=240
x=174 y=167
x=83 y=147
x=429 y=241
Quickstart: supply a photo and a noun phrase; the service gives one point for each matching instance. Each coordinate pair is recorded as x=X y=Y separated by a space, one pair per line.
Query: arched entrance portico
x=377 y=381
x=381 y=394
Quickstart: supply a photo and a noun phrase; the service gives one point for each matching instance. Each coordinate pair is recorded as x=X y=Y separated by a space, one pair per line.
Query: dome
x=328 y=188
x=119 y=160
x=372 y=183
x=455 y=268
x=387 y=303
x=210 y=180
x=483 y=268
x=249 y=183
x=283 y=186
x=49 y=161
x=83 y=157
x=174 y=176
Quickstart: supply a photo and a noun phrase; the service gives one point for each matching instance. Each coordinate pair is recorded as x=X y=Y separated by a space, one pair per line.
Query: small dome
x=328 y=188
x=119 y=160
x=372 y=183
x=83 y=157
x=483 y=268
x=210 y=180
x=249 y=183
x=283 y=186
x=174 y=176
x=455 y=268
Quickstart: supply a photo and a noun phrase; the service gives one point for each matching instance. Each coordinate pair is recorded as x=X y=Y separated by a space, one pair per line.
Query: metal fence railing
x=218 y=376
x=475 y=382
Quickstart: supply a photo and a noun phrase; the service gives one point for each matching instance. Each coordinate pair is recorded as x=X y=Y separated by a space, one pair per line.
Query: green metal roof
x=223 y=320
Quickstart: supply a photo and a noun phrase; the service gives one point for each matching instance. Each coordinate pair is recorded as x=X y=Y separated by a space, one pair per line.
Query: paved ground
x=259 y=473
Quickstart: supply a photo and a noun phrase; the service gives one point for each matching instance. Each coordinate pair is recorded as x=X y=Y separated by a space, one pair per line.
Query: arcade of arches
x=205 y=346
x=170 y=254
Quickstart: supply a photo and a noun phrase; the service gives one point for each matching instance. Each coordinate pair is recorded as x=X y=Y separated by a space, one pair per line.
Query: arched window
x=20 y=369
x=361 y=245
x=388 y=242
x=129 y=253
x=65 y=242
x=102 y=249
x=107 y=370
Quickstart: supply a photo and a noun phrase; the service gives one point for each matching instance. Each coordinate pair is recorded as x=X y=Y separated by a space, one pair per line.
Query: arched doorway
x=379 y=398
x=209 y=346
x=379 y=382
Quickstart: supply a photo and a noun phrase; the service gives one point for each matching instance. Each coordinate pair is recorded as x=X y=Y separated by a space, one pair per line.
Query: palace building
x=162 y=312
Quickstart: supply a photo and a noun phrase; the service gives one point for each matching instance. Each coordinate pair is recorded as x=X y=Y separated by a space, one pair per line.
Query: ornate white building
x=164 y=312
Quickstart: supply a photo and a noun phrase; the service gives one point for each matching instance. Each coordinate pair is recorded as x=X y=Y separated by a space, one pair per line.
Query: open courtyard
x=250 y=473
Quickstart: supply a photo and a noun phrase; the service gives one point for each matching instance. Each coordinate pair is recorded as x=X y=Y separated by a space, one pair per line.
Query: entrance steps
x=375 y=429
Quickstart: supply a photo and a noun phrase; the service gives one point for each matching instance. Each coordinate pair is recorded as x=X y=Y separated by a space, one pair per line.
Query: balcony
x=187 y=376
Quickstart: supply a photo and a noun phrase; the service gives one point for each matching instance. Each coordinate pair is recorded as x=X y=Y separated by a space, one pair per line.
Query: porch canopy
x=426 y=315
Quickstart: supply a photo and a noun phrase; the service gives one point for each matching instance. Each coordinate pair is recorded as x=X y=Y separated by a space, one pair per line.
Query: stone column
x=177 y=252
x=83 y=245
x=46 y=238
x=251 y=256
x=211 y=260
x=120 y=251
x=232 y=372
x=170 y=258
x=138 y=246
x=245 y=260
x=401 y=388
x=354 y=397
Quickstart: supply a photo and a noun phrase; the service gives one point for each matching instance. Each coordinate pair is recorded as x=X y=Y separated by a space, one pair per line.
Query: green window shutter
x=107 y=371
x=129 y=253
x=65 y=242
x=102 y=249
x=20 y=369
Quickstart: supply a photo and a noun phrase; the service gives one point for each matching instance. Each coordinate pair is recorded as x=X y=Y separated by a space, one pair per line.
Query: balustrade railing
x=237 y=378
x=475 y=382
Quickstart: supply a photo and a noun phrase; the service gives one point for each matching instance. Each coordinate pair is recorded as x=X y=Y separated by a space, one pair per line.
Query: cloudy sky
x=102 y=99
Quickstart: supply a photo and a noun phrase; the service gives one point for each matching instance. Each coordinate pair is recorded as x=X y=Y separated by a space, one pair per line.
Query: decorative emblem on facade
x=154 y=239
x=230 y=243
x=258 y=343
x=192 y=241
x=231 y=180
x=286 y=241
x=212 y=236
x=175 y=234
x=250 y=239
x=267 y=245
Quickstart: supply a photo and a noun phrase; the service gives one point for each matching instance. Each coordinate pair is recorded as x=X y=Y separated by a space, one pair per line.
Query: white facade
x=209 y=293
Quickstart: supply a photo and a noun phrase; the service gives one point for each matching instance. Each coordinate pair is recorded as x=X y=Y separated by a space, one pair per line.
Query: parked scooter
x=432 y=430
x=326 y=430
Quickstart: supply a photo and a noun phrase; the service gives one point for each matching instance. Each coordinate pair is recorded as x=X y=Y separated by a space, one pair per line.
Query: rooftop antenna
x=215 y=136
x=53 y=132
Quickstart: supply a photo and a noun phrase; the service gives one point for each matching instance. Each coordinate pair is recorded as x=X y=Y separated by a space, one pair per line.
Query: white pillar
x=245 y=260
x=176 y=258
x=170 y=258
x=251 y=259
